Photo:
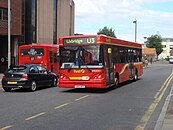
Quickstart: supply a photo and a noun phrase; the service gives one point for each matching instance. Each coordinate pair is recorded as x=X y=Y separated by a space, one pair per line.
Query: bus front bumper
x=82 y=84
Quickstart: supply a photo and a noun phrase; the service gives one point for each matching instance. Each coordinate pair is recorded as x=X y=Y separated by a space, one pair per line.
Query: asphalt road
x=133 y=105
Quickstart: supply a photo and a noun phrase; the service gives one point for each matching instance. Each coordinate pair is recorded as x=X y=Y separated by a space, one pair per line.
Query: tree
x=155 y=41
x=107 y=31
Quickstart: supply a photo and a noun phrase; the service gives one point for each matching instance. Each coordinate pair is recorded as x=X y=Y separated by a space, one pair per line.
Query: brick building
x=149 y=54
x=33 y=21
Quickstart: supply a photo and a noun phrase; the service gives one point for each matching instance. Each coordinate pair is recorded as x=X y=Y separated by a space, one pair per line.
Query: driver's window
x=33 y=70
x=42 y=70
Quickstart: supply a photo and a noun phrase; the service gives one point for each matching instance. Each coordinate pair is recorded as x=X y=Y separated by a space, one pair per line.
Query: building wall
x=45 y=21
x=21 y=24
x=16 y=17
x=16 y=31
x=167 y=47
x=64 y=18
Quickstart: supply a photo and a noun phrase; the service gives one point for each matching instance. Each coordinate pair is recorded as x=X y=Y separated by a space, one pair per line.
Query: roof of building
x=148 y=51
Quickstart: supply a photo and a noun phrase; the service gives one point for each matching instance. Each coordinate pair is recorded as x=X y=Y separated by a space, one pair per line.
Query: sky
x=153 y=17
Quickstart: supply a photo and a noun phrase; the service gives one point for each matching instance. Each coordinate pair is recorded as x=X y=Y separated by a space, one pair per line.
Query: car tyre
x=7 y=89
x=54 y=82
x=33 y=86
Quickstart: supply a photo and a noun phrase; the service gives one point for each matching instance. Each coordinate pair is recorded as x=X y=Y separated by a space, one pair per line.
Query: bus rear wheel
x=116 y=81
x=135 y=76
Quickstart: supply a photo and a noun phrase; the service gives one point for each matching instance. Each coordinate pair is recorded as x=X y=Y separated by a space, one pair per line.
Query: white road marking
x=65 y=104
x=81 y=98
x=6 y=127
x=32 y=117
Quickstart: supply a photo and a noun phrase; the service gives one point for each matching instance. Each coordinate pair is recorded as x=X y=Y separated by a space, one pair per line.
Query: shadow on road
x=96 y=90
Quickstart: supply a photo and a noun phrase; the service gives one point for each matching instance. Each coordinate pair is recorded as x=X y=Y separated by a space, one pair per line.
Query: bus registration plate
x=79 y=86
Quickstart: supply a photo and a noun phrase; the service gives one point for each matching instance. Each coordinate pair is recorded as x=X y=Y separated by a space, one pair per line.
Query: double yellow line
x=145 y=118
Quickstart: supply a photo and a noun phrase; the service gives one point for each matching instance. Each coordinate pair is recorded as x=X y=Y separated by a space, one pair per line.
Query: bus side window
x=51 y=57
x=55 y=57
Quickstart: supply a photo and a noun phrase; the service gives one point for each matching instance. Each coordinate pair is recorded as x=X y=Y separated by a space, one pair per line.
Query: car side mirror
x=48 y=71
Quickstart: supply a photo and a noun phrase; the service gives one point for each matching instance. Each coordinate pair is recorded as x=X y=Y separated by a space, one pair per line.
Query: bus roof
x=96 y=39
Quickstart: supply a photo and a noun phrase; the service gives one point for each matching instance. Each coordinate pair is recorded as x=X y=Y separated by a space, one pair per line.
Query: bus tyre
x=7 y=89
x=116 y=82
x=135 y=76
x=33 y=86
x=54 y=82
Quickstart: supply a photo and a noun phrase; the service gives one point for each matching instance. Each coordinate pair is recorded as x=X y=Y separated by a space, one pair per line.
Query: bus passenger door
x=131 y=63
x=109 y=65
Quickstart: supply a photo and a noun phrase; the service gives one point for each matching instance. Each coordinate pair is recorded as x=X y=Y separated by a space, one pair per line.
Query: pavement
x=165 y=120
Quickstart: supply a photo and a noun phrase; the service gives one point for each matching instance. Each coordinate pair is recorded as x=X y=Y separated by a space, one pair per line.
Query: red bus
x=43 y=54
x=98 y=61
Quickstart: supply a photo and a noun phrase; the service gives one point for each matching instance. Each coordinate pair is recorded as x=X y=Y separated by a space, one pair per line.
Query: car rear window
x=17 y=69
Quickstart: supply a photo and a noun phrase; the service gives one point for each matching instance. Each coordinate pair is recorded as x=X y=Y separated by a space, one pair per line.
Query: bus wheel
x=116 y=81
x=33 y=86
x=54 y=82
x=135 y=76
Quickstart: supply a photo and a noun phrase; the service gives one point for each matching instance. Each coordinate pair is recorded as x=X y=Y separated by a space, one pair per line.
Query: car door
x=43 y=76
x=34 y=74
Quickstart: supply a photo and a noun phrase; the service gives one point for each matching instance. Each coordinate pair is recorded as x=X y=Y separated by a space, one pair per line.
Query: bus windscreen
x=81 y=57
x=32 y=52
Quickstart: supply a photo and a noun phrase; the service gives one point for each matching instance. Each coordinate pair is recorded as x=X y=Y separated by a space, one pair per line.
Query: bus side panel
x=123 y=72
x=139 y=67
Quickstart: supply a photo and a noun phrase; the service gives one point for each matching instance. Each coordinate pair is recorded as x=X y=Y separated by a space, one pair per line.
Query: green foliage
x=107 y=31
x=155 y=41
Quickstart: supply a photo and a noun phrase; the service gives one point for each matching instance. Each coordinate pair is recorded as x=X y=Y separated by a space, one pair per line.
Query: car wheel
x=33 y=86
x=54 y=82
x=7 y=89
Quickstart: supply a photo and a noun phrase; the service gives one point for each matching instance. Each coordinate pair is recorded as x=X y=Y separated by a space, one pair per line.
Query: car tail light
x=24 y=76
x=3 y=77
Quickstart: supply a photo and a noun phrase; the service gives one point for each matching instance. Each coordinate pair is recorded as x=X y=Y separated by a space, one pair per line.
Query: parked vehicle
x=29 y=76
x=171 y=59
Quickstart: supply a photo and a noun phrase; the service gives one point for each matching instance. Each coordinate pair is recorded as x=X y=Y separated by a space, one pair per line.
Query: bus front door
x=109 y=66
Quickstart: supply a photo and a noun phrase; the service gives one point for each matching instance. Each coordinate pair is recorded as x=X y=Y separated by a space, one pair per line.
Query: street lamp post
x=135 y=22
x=9 y=33
x=70 y=17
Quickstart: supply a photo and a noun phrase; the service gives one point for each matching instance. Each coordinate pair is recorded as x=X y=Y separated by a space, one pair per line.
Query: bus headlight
x=63 y=77
x=99 y=76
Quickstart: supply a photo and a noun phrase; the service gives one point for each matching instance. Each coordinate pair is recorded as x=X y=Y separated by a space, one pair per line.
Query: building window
x=3 y=14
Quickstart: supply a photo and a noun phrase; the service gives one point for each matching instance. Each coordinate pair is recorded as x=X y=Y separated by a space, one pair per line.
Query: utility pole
x=9 y=34
x=135 y=22
x=70 y=18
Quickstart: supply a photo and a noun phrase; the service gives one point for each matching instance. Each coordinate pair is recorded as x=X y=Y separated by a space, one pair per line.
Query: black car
x=29 y=76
